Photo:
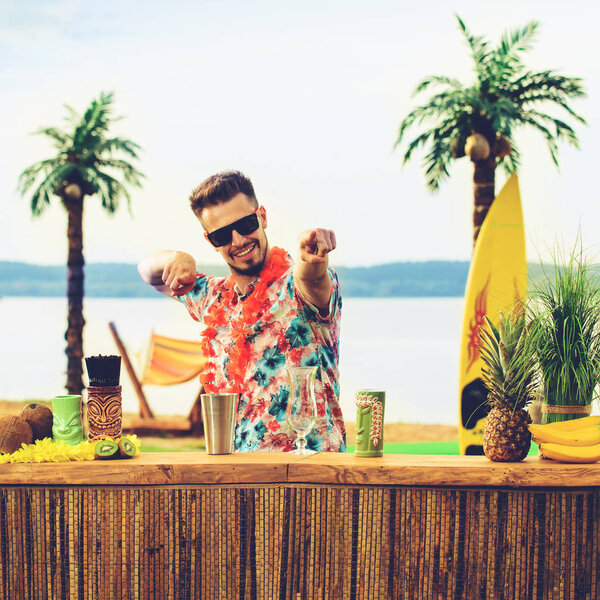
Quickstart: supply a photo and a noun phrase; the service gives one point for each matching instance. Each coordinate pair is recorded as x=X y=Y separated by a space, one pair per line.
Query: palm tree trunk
x=484 y=191
x=75 y=321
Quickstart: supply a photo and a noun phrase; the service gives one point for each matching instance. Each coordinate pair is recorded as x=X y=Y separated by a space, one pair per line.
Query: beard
x=252 y=270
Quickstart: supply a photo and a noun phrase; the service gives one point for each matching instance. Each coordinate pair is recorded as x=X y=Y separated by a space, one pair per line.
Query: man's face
x=246 y=253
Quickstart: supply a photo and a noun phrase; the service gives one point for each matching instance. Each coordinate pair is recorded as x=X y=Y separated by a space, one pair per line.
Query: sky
x=304 y=97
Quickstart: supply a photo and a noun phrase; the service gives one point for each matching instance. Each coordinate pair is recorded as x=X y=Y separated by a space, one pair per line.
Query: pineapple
x=510 y=377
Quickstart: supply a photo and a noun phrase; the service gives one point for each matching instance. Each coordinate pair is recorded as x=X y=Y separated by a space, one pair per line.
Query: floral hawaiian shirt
x=252 y=338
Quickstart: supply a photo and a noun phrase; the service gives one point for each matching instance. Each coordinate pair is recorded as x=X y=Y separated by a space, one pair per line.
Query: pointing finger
x=325 y=242
x=333 y=240
x=182 y=289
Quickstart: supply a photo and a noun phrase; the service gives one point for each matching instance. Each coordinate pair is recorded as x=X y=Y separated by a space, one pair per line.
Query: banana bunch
x=576 y=441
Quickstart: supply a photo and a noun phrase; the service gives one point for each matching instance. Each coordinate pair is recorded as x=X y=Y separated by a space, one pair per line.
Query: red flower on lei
x=254 y=307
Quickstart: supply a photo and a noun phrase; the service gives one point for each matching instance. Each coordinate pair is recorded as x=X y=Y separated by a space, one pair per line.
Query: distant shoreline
x=121 y=280
x=427 y=279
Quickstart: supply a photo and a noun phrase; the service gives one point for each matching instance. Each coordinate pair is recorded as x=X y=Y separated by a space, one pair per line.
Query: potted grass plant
x=566 y=331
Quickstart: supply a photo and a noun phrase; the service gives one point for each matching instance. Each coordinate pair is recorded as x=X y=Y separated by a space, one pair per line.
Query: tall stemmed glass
x=302 y=408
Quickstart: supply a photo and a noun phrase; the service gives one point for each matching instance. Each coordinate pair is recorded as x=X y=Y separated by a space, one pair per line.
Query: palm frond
x=546 y=86
x=438 y=106
x=420 y=140
x=415 y=116
x=94 y=123
x=129 y=172
x=563 y=130
x=61 y=138
x=477 y=44
x=437 y=162
x=433 y=80
x=518 y=40
x=553 y=129
x=512 y=162
x=530 y=82
x=29 y=175
x=97 y=116
x=546 y=96
x=40 y=198
x=118 y=144
x=110 y=189
x=73 y=117
x=533 y=119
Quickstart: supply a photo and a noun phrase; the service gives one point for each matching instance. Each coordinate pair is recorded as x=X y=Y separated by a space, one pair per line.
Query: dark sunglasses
x=244 y=226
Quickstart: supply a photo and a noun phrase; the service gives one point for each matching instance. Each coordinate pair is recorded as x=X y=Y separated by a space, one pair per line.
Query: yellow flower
x=48 y=450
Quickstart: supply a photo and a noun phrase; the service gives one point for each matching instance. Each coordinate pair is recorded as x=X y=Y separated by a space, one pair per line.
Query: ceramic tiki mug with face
x=104 y=412
x=67 y=425
x=370 y=405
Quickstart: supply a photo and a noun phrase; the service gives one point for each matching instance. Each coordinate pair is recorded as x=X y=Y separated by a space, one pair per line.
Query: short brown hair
x=220 y=188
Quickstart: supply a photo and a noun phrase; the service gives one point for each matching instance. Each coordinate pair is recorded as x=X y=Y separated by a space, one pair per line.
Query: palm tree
x=84 y=165
x=481 y=120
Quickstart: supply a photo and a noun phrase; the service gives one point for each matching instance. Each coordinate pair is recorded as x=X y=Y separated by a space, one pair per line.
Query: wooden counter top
x=198 y=468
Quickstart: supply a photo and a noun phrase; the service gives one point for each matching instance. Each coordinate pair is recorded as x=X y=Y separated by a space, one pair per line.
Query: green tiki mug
x=370 y=406
x=67 y=424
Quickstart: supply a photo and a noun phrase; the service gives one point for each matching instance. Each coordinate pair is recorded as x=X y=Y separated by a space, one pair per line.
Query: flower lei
x=254 y=307
x=49 y=450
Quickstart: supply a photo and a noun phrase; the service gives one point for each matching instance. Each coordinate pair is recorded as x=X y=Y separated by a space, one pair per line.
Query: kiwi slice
x=106 y=449
x=126 y=448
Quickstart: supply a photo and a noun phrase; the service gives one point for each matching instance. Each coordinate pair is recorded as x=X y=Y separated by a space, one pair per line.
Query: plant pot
x=554 y=412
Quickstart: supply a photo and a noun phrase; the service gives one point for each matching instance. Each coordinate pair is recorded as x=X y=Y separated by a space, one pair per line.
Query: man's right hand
x=179 y=273
x=171 y=272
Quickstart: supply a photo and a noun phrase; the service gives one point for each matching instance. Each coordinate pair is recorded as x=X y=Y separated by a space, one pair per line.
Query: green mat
x=450 y=448
x=418 y=448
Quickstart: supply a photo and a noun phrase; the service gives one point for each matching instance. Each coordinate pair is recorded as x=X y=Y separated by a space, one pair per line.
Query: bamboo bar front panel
x=222 y=536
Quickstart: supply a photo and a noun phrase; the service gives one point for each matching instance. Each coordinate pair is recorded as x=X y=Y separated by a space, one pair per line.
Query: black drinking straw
x=103 y=371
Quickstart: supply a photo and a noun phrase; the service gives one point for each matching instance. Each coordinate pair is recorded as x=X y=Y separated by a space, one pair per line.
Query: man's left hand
x=316 y=244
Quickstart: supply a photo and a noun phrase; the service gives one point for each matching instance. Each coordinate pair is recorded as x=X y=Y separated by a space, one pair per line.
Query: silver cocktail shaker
x=218 y=413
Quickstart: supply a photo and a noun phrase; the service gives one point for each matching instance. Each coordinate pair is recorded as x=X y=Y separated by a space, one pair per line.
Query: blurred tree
x=480 y=121
x=84 y=165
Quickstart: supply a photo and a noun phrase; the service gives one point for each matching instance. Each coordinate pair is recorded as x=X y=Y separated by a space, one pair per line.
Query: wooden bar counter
x=276 y=526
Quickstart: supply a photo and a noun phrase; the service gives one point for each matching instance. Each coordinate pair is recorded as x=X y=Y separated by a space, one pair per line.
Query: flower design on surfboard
x=477 y=323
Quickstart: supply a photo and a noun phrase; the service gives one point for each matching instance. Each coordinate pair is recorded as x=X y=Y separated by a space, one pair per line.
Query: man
x=269 y=314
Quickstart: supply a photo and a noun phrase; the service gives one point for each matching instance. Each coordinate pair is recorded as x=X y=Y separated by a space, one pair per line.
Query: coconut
x=457 y=146
x=39 y=418
x=501 y=147
x=477 y=147
x=72 y=191
x=14 y=431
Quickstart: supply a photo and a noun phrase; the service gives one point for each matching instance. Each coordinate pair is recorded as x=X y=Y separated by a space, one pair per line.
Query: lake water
x=406 y=346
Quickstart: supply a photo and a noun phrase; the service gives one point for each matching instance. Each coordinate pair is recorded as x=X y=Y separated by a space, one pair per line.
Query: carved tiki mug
x=67 y=425
x=370 y=405
x=104 y=412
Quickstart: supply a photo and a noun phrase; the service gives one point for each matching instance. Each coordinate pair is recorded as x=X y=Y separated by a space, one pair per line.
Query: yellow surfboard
x=497 y=277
